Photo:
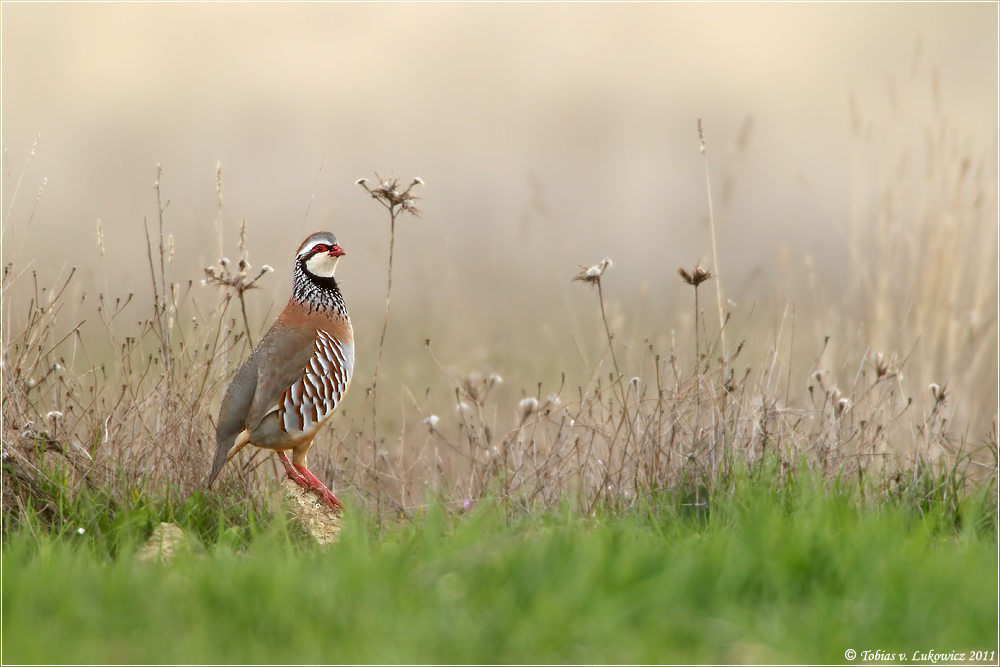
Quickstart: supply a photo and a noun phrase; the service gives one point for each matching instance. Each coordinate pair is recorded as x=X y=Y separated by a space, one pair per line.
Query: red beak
x=337 y=251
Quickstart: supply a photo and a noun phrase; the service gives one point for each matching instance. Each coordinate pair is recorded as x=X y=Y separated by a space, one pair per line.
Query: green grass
x=799 y=575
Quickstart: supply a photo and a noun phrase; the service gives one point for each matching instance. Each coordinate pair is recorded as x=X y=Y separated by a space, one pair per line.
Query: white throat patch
x=322 y=265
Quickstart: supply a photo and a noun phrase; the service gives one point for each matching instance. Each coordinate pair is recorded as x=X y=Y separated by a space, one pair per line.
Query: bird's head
x=319 y=253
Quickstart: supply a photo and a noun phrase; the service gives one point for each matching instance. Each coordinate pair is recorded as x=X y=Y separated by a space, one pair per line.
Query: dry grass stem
x=396 y=200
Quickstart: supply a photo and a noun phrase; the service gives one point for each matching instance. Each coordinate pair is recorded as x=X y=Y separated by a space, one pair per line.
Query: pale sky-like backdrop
x=548 y=135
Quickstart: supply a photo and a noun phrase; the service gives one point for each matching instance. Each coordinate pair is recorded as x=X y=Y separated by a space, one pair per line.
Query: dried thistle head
x=238 y=280
x=528 y=407
x=388 y=193
x=473 y=387
x=478 y=388
x=696 y=276
x=592 y=275
x=880 y=363
x=842 y=406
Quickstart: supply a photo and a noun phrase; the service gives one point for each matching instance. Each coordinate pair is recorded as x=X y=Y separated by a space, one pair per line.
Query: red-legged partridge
x=298 y=373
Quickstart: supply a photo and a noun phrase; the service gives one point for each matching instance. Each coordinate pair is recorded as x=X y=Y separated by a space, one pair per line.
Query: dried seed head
x=470 y=387
x=390 y=195
x=696 y=276
x=881 y=364
x=432 y=421
x=592 y=275
x=552 y=402
x=842 y=405
x=528 y=407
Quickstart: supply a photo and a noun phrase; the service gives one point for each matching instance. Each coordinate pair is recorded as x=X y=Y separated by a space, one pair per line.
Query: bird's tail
x=223 y=453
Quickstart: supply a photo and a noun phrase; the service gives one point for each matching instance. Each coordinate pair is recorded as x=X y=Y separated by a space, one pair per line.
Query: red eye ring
x=320 y=247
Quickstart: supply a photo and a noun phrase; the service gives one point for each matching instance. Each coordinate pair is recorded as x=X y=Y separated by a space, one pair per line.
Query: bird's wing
x=284 y=356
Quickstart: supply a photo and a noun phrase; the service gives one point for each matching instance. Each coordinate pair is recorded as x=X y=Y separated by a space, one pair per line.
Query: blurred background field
x=851 y=150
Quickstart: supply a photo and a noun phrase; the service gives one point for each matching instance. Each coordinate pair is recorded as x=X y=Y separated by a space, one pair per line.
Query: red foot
x=301 y=476
x=319 y=487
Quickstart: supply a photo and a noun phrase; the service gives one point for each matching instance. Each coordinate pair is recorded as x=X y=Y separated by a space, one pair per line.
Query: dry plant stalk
x=592 y=276
x=396 y=201
x=694 y=278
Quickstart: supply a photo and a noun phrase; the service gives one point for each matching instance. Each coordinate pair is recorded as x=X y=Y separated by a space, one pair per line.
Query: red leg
x=293 y=474
x=313 y=483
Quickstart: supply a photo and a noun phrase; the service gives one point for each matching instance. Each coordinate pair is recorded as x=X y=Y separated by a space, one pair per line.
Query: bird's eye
x=319 y=247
